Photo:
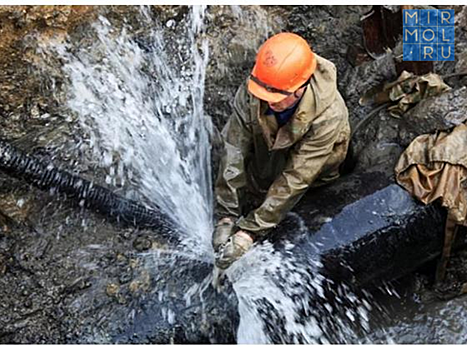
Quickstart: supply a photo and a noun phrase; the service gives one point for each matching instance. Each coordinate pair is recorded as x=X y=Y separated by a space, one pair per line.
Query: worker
x=289 y=130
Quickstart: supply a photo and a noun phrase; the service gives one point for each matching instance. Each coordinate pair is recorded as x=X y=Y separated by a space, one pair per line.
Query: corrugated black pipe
x=46 y=176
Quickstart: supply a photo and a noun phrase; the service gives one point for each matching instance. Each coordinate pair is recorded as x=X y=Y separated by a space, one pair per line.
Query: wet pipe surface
x=367 y=229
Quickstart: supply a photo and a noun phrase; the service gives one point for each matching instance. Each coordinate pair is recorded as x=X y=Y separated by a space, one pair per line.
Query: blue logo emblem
x=428 y=35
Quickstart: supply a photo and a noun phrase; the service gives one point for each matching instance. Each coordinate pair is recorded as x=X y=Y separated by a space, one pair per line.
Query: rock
x=5 y=223
x=28 y=303
x=112 y=289
x=141 y=284
x=125 y=277
x=3 y=264
x=142 y=243
x=356 y=55
x=441 y=112
x=461 y=65
x=78 y=284
x=126 y=234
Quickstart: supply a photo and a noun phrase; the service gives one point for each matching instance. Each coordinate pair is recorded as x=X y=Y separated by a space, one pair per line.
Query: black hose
x=46 y=176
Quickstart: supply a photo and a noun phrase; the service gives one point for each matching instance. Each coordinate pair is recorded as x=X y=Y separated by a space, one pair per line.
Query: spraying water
x=284 y=298
x=142 y=110
x=140 y=102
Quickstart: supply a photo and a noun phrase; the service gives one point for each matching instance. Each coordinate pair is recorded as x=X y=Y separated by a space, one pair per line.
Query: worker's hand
x=236 y=246
x=222 y=233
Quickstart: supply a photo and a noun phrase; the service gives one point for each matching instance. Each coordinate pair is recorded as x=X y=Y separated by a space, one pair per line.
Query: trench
x=138 y=102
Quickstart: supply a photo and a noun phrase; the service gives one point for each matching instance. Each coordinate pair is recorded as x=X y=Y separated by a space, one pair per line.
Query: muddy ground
x=63 y=270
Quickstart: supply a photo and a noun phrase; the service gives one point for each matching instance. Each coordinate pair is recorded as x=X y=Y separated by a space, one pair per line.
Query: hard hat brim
x=274 y=97
x=261 y=93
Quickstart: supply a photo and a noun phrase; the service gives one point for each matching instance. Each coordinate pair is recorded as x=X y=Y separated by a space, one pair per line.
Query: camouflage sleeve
x=306 y=161
x=237 y=140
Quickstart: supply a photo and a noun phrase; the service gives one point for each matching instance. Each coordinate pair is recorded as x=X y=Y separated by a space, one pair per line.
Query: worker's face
x=287 y=102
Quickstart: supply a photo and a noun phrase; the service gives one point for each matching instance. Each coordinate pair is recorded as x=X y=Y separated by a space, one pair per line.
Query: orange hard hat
x=283 y=64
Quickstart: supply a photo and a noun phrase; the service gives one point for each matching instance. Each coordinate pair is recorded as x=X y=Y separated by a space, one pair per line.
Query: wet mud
x=68 y=275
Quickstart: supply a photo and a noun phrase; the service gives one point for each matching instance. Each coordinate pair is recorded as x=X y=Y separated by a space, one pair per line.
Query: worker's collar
x=283 y=117
x=298 y=124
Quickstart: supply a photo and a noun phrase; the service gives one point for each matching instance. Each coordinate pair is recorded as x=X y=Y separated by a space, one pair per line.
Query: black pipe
x=45 y=176
x=366 y=229
x=357 y=233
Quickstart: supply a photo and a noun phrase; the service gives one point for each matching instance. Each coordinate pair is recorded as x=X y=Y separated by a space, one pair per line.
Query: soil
x=68 y=275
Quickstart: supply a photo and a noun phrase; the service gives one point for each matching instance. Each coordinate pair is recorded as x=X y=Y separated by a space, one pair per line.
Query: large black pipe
x=363 y=230
x=366 y=229
x=46 y=176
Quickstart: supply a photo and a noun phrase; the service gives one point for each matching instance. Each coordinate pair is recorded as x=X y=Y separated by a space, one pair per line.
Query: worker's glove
x=236 y=246
x=224 y=229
